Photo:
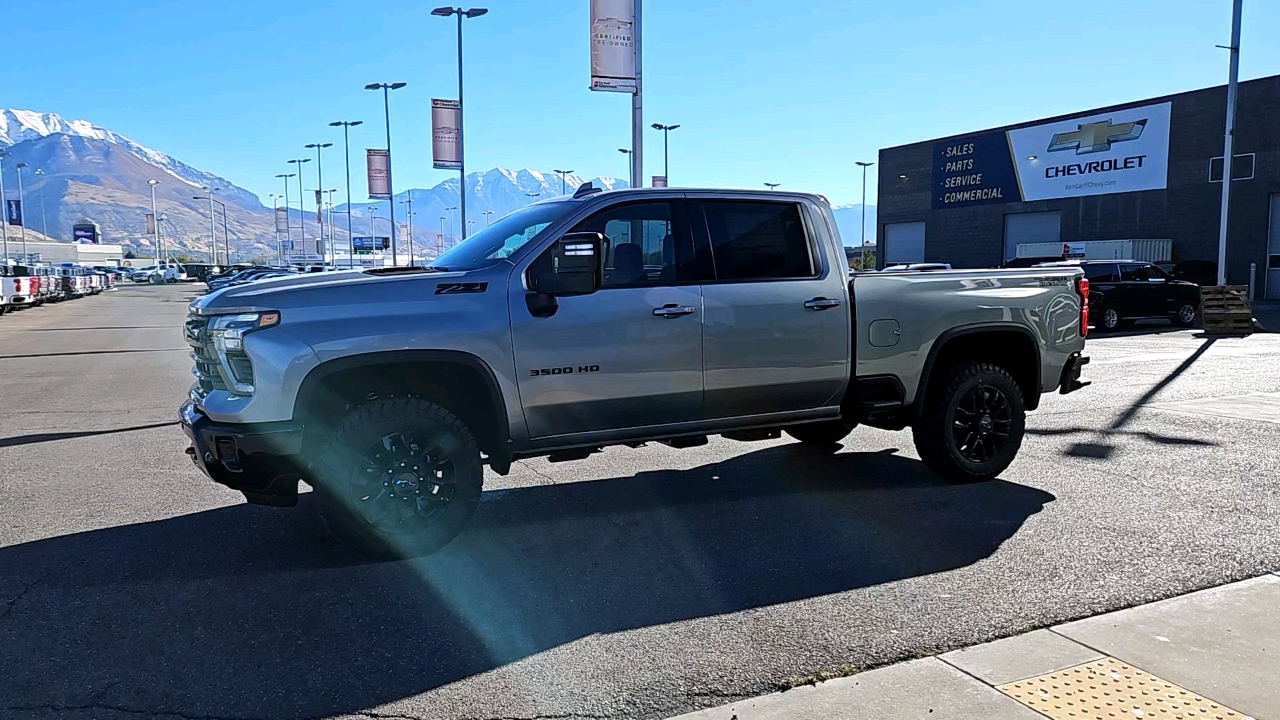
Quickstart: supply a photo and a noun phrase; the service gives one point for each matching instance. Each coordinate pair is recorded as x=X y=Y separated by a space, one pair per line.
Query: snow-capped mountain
x=849 y=221
x=21 y=125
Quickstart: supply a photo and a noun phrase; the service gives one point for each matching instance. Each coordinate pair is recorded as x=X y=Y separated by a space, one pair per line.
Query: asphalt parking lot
x=638 y=583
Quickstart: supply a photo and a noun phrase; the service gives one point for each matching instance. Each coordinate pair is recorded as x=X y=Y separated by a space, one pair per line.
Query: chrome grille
x=194 y=330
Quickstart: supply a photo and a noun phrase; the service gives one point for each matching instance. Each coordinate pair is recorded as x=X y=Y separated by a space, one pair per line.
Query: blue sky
x=764 y=91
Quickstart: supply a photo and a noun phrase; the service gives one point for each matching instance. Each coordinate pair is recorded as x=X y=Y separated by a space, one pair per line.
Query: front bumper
x=1071 y=380
x=262 y=461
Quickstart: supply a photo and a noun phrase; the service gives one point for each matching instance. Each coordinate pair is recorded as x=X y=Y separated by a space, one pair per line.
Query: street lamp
x=4 y=212
x=319 y=184
x=562 y=174
x=288 y=223
x=441 y=233
x=532 y=196
x=226 y=240
x=22 y=211
x=462 y=163
x=155 y=220
x=486 y=214
x=346 y=126
x=302 y=203
x=44 y=220
x=452 y=224
x=862 y=251
x=665 y=129
x=213 y=240
x=631 y=161
x=408 y=212
x=386 y=88
x=772 y=186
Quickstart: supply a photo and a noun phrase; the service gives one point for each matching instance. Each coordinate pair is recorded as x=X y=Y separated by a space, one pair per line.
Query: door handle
x=820 y=303
x=671 y=310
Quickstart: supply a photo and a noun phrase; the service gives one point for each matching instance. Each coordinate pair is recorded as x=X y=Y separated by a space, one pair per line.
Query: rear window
x=1101 y=273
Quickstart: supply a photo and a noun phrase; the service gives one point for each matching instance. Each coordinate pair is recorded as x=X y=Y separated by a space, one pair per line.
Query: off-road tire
x=935 y=432
x=822 y=433
x=345 y=454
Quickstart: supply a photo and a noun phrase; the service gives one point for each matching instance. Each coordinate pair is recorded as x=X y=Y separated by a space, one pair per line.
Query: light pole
x=772 y=186
x=386 y=89
x=346 y=153
x=462 y=155
x=373 y=226
x=213 y=239
x=319 y=185
x=486 y=214
x=44 y=220
x=155 y=220
x=1233 y=73
x=408 y=213
x=630 y=162
x=562 y=174
x=333 y=238
x=23 y=211
x=862 y=250
x=302 y=202
x=276 y=226
x=4 y=212
x=213 y=245
x=453 y=223
x=442 y=233
x=471 y=227
x=226 y=234
x=532 y=196
x=288 y=223
x=665 y=130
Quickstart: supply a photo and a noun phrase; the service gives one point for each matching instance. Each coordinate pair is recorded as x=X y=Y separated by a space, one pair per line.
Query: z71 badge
x=567 y=370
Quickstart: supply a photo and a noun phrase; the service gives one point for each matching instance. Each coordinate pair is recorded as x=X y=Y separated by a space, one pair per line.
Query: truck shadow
x=244 y=611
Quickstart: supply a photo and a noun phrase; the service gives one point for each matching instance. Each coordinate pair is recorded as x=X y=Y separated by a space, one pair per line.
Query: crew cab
x=603 y=319
x=23 y=287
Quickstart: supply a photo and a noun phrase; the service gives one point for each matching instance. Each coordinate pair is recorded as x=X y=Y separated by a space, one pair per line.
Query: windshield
x=501 y=239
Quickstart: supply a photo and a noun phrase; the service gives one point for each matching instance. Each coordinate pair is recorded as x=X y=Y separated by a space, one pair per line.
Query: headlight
x=227 y=333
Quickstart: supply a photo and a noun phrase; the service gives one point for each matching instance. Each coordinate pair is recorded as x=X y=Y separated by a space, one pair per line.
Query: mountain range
x=90 y=172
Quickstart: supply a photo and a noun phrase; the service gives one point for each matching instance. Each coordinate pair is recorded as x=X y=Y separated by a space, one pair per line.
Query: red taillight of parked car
x=1082 y=288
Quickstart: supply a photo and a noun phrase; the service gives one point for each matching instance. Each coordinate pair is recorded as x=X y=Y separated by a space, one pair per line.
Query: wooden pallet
x=1224 y=310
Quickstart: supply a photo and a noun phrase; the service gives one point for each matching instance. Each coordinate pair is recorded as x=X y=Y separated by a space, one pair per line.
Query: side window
x=1153 y=274
x=757 y=240
x=1132 y=273
x=645 y=247
x=1101 y=273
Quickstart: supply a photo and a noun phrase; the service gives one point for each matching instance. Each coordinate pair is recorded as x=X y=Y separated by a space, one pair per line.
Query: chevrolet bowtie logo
x=1097 y=137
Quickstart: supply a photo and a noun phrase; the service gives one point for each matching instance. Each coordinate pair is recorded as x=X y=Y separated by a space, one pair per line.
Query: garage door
x=1039 y=227
x=903 y=243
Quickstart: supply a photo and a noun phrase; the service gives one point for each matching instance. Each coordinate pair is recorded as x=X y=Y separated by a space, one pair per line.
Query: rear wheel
x=1186 y=315
x=822 y=433
x=401 y=478
x=972 y=424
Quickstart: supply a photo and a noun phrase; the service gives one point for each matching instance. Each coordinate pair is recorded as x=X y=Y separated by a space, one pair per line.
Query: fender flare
x=926 y=372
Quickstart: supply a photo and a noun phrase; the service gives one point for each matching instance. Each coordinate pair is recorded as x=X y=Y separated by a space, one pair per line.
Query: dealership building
x=1143 y=171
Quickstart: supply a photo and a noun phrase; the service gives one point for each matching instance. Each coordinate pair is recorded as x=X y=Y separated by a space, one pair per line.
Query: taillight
x=1082 y=289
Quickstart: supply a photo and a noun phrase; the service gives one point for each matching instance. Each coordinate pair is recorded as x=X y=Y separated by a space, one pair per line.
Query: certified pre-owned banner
x=1114 y=152
x=446 y=118
x=378 y=166
x=1118 y=151
x=613 y=46
x=13 y=212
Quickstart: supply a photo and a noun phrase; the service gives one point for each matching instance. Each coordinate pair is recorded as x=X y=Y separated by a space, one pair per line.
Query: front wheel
x=1186 y=315
x=822 y=433
x=400 y=478
x=972 y=424
x=1109 y=319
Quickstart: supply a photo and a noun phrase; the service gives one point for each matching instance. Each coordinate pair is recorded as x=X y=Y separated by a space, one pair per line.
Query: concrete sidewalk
x=1213 y=654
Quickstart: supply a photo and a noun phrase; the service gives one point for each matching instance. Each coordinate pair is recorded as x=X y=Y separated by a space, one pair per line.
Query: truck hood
x=309 y=289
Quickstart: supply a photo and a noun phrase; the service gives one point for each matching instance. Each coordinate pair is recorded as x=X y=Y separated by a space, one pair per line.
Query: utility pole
x=1233 y=74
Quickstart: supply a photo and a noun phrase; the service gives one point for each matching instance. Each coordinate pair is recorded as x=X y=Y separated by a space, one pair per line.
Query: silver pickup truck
x=609 y=318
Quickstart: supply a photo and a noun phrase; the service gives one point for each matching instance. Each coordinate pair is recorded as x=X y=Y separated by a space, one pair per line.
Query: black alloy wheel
x=406 y=482
x=1186 y=315
x=982 y=424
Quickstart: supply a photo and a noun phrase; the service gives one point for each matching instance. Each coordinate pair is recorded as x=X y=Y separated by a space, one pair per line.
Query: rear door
x=775 y=334
x=1137 y=296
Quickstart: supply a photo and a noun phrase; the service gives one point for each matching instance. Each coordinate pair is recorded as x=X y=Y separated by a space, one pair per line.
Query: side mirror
x=573 y=267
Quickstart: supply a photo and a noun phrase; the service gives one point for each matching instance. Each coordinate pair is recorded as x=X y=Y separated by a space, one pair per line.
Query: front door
x=1138 y=298
x=776 y=334
x=630 y=354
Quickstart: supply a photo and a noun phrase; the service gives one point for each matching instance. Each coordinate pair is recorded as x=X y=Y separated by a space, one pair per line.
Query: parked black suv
x=1124 y=290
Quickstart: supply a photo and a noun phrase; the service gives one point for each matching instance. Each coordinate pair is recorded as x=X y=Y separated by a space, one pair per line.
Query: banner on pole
x=446 y=117
x=378 y=165
x=13 y=212
x=282 y=220
x=613 y=46
x=319 y=205
x=151 y=224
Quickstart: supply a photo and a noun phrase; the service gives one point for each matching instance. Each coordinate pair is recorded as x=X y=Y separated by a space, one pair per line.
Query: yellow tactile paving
x=1108 y=689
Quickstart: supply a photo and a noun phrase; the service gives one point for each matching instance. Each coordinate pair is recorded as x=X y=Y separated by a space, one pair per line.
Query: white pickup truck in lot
x=615 y=318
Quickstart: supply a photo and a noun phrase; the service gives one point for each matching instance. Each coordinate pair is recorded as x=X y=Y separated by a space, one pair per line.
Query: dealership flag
x=13 y=212
x=378 y=165
x=446 y=119
x=151 y=224
x=282 y=220
x=613 y=46
x=319 y=200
